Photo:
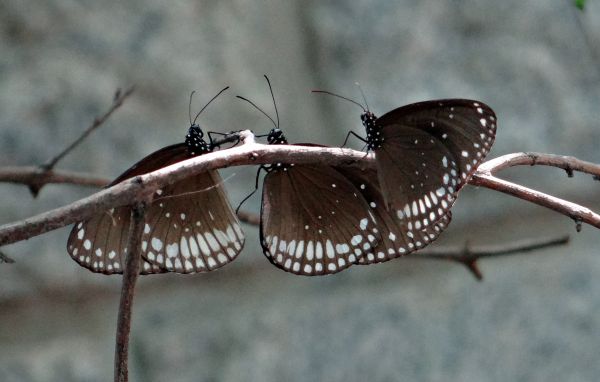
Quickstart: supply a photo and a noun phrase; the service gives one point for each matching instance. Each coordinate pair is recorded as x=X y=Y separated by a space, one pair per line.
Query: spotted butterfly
x=425 y=153
x=189 y=227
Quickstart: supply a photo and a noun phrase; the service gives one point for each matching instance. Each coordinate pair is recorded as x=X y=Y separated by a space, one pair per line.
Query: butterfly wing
x=399 y=237
x=314 y=221
x=430 y=150
x=191 y=227
x=99 y=243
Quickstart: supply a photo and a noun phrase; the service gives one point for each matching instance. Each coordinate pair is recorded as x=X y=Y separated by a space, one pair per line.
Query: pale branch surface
x=130 y=274
x=249 y=153
x=484 y=176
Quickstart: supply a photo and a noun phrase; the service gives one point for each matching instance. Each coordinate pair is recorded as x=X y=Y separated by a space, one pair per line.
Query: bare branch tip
x=473 y=267
x=5 y=259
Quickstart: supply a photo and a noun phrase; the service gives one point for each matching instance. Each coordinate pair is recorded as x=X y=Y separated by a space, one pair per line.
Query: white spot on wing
x=172 y=250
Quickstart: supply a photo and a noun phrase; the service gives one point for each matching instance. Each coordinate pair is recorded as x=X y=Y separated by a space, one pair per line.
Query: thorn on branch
x=569 y=171
x=578 y=224
x=5 y=259
x=473 y=267
x=34 y=189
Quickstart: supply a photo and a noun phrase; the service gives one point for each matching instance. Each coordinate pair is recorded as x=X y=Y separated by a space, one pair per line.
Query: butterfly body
x=195 y=143
x=189 y=226
x=374 y=137
x=426 y=152
x=313 y=219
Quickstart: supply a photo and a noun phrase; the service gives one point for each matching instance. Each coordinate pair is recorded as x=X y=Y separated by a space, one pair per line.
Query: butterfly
x=320 y=219
x=425 y=153
x=189 y=227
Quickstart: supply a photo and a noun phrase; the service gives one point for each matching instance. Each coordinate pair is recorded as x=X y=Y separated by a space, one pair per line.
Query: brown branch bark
x=484 y=176
x=35 y=177
x=130 y=275
x=468 y=256
x=45 y=173
x=5 y=259
x=249 y=152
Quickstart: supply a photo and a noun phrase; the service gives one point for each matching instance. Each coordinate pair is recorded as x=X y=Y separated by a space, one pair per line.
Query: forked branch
x=45 y=173
x=468 y=256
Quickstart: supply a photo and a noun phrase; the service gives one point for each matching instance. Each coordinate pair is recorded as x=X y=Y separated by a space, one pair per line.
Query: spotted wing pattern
x=191 y=227
x=188 y=228
x=430 y=150
x=314 y=221
x=99 y=244
x=399 y=237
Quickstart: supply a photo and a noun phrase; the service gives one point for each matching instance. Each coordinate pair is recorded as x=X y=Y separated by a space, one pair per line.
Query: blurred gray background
x=536 y=317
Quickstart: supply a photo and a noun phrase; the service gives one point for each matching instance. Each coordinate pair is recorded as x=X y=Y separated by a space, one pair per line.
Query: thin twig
x=5 y=259
x=45 y=169
x=469 y=256
x=118 y=100
x=130 y=275
x=33 y=177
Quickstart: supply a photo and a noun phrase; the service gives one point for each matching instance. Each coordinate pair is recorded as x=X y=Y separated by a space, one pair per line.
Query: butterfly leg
x=231 y=137
x=255 y=188
x=355 y=135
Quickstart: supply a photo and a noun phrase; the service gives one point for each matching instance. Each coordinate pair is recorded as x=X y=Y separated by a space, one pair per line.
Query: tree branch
x=118 y=100
x=484 y=176
x=131 y=272
x=468 y=256
x=45 y=174
x=5 y=259
x=251 y=153
x=143 y=186
x=35 y=177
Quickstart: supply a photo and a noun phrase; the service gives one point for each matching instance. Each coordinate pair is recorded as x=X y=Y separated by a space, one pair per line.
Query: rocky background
x=536 y=317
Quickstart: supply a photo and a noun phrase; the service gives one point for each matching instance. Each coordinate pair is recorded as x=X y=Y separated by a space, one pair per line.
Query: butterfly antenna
x=363 y=94
x=208 y=103
x=339 y=96
x=190 y=106
x=259 y=109
x=273 y=97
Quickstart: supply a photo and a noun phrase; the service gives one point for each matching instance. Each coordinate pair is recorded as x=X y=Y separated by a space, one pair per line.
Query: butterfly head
x=276 y=137
x=194 y=140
